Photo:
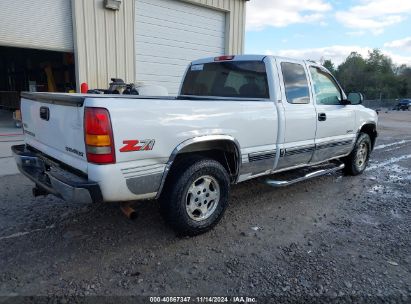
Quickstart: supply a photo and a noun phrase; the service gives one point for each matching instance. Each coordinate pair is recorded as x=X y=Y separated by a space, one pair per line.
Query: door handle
x=45 y=113
x=322 y=117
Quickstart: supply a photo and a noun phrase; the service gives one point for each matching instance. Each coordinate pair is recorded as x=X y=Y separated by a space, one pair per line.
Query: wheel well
x=371 y=130
x=223 y=151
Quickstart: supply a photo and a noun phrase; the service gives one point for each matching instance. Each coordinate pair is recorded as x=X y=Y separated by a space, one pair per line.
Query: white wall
x=104 y=39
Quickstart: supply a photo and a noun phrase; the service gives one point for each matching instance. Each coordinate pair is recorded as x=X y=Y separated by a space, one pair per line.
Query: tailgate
x=53 y=124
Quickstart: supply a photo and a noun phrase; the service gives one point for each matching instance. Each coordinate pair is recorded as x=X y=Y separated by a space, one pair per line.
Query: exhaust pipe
x=128 y=211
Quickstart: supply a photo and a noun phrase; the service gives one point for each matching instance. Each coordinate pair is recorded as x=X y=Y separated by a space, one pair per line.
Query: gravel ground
x=330 y=239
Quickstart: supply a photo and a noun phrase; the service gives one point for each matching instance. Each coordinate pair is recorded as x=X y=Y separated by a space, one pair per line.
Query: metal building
x=137 y=40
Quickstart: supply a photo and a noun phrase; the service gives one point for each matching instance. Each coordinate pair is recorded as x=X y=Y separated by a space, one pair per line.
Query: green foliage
x=404 y=81
x=329 y=65
x=375 y=76
x=351 y=73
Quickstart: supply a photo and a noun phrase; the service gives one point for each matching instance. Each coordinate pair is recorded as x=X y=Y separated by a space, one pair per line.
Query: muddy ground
x=333 y=238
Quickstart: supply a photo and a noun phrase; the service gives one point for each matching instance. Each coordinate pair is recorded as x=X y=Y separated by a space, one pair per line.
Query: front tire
x=357 y=161
x=195 y=196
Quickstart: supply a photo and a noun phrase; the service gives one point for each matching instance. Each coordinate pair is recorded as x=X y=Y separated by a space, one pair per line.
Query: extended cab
x=235 y=118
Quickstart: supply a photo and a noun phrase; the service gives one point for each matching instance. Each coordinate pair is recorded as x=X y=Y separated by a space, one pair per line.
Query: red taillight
x=98 y=136
x=224 y=58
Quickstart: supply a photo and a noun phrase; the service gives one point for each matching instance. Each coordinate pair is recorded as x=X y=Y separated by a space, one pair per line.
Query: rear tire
x=357 y=161
x=195 y=195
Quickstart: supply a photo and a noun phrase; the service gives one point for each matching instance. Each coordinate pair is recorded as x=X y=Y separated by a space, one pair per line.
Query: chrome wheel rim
x=202 y=198
x=362 y=154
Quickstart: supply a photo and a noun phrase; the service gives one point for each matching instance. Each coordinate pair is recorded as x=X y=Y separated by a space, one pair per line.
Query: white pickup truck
x=235 y=118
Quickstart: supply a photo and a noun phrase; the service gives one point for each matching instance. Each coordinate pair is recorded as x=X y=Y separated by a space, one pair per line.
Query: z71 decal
x=138 y=145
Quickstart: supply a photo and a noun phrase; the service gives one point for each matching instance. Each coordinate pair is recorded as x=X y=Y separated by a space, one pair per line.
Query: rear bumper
x=55 y=180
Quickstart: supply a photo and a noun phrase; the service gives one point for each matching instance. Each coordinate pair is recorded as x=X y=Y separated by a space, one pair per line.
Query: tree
x=381 y=80
x=351 y=73
x=375 y=76
x=403 y=73
x=329 y=65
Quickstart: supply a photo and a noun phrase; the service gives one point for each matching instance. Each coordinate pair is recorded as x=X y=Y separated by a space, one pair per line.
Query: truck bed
x=77 y=99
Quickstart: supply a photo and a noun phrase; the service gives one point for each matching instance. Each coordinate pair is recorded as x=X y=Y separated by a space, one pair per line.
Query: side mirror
x=355 y=98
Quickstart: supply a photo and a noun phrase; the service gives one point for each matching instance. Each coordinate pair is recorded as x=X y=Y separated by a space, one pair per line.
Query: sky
x=329 y=29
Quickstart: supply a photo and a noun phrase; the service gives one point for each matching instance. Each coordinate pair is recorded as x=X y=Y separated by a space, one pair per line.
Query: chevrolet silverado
x=235 y=118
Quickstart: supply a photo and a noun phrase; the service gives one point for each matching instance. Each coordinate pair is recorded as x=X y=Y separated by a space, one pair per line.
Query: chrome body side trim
x=333 y=144
x=269 y=172
x=257 y=167
x=144 y=184
x=143 y=170
x=298 y=150
x=257 y=163
x=256 y=156
x=308 y=165
x=328 y=150
x=144 y=179
x=295 y=156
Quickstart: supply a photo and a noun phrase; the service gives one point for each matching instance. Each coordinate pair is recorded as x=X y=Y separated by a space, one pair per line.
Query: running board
x=312 y=174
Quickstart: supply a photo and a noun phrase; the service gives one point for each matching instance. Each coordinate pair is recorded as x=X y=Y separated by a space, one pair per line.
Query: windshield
x=244 y=79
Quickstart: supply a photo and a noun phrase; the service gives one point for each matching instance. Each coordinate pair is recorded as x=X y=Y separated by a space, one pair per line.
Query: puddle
x=399 y=173
x=384 y=191
x=388 y=163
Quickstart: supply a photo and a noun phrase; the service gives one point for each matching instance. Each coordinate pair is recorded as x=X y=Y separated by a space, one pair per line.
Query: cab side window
x=326 y=90
x=295 y=83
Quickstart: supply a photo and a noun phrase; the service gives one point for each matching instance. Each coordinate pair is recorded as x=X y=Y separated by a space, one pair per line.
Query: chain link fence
x=383 y=103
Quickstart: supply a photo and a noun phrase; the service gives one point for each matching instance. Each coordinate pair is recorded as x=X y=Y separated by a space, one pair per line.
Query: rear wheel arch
x=223 y=148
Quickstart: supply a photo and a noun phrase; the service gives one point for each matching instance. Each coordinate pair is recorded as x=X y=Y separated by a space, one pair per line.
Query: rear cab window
x=295 y=83
x=239 y=79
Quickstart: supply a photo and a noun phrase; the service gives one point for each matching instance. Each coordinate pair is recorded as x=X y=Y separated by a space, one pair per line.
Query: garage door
x=40 y=24
x=170 y=34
